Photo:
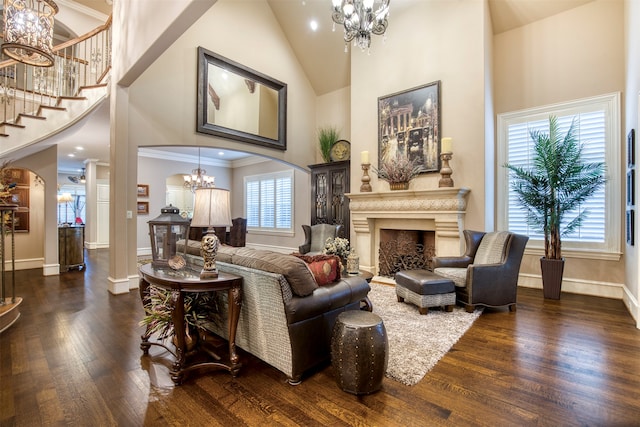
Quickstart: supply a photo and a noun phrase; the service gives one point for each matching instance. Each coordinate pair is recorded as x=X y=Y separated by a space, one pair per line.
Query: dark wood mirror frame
x=205 y=58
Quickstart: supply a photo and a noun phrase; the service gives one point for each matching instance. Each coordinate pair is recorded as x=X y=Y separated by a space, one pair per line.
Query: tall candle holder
x=446 y=170
x=366 y=179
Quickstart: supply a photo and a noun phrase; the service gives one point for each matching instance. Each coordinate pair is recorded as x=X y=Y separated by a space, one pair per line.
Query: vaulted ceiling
x=321 y=52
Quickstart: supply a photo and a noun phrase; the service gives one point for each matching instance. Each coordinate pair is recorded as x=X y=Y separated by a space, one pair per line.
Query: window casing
x=598 y=129
x=269 y=202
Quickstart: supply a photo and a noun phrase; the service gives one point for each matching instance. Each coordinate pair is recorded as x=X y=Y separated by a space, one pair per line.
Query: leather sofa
x=286 y=319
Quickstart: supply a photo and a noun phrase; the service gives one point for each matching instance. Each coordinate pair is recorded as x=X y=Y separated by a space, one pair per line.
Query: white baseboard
x=51 y=269
x=25 y=264
x=117 y=287
x=95 y=245
x=577 y=286
x=144 y=251
x=134 y=281
x=632 y=305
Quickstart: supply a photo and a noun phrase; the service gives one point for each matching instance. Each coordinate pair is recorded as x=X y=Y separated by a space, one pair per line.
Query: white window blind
x=269 y=201
x=590 y=131
x=597 y=129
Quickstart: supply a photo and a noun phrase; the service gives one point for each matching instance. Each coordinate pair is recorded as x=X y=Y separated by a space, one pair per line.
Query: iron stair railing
x=79 y=63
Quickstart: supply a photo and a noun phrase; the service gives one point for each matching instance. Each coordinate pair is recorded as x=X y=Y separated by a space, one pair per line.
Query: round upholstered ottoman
x=425 y=289
x=359 y=351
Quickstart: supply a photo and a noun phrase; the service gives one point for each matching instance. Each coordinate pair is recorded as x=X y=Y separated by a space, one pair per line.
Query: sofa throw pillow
x=292 y=268
x=325 y=268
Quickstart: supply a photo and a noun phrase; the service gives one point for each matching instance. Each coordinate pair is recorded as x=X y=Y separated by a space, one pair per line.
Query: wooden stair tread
x=31 y=116
x=14 y=125
x=51 y=107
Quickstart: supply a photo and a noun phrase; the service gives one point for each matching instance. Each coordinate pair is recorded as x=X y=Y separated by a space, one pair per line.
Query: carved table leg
x=235 y=304
x=177 y=299
x=144 y=297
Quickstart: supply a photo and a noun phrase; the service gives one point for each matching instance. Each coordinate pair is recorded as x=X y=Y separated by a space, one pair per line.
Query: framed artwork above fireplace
x=409 y=124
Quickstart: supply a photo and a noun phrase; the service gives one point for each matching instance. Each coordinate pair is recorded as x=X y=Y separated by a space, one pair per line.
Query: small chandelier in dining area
x=28 y=31
x=360 y=20
x=198 y=178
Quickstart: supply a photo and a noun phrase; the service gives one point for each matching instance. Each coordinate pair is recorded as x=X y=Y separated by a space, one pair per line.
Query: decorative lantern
x=169 y=233
x=353 y=262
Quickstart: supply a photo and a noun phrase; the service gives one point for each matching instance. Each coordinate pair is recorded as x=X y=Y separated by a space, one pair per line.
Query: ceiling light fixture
x=28 y=31
x=83 y=178
x=360 y=20
x=198 y=178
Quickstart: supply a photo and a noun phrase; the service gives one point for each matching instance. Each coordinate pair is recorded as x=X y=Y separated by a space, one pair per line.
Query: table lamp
x=212 y=208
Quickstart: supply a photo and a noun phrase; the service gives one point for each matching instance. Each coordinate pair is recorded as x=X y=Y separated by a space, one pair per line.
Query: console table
x=180 y=282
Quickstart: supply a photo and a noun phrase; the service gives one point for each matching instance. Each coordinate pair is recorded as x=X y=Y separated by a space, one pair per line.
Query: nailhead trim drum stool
x=425 y=289
x=359 y=351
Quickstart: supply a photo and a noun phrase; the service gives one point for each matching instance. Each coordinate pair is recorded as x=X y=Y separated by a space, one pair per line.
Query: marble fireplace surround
x=441 y=210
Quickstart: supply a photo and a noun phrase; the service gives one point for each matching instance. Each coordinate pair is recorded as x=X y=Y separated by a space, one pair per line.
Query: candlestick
x=364 y=157
x=446 y=144
x=365 y=187
x=446 y=171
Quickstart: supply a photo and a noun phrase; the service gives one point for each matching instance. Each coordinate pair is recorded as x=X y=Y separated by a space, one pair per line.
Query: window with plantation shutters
x=597 y=129
x=269 y=201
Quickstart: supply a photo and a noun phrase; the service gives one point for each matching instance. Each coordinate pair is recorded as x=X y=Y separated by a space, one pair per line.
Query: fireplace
x=405 y=250
x=440 y=212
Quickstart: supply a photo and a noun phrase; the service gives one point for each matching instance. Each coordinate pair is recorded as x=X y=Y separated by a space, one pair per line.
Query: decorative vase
x=399 y=185
x=552 y=270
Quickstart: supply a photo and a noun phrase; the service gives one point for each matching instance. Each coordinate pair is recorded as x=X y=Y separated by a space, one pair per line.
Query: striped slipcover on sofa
x=286 y=319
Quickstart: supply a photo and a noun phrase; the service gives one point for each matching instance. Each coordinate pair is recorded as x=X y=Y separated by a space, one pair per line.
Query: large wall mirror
x=239 y=103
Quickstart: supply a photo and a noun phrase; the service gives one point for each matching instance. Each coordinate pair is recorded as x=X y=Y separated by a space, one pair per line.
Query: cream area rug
x=416 y=342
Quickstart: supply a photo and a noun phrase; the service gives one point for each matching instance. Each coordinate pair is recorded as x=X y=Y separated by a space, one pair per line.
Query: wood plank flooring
x=73 y=358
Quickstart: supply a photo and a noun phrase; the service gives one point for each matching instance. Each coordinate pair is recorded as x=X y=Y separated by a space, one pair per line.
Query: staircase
x=38 y=102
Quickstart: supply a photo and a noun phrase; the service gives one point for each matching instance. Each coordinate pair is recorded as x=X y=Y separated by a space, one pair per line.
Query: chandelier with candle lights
x=198 y=178
x=360 y=20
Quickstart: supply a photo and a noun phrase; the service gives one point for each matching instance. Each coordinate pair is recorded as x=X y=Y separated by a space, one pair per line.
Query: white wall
x=430 y=41
x=154 y=172
x=571 y=55
x=631 y=103
x=163 y=100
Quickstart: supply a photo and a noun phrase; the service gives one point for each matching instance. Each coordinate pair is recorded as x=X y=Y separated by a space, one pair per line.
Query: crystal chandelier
x=198 y=178
x=28 y=31
x=360 y=20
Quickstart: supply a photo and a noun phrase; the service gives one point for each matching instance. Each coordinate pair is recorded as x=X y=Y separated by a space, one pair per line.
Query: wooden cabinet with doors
x=71 y=248
x=329 y=205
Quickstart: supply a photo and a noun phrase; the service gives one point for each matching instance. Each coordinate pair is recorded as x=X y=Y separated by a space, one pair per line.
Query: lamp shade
x=65 y=197
x=212 y=208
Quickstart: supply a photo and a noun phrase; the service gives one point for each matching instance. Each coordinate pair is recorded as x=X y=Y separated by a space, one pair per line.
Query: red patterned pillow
x=325 y=268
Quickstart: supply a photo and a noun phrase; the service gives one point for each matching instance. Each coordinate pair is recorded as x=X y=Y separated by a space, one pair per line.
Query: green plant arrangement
x=327 y=136
x=198 y=310
x=553 y=188
x=398 y=172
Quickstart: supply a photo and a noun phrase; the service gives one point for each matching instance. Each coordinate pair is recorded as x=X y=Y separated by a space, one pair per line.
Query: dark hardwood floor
x=74 y=358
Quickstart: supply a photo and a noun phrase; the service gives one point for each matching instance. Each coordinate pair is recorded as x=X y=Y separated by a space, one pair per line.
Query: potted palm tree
x=551 y=191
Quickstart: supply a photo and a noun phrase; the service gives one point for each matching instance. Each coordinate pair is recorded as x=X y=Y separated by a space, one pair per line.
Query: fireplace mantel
x=441 y=210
